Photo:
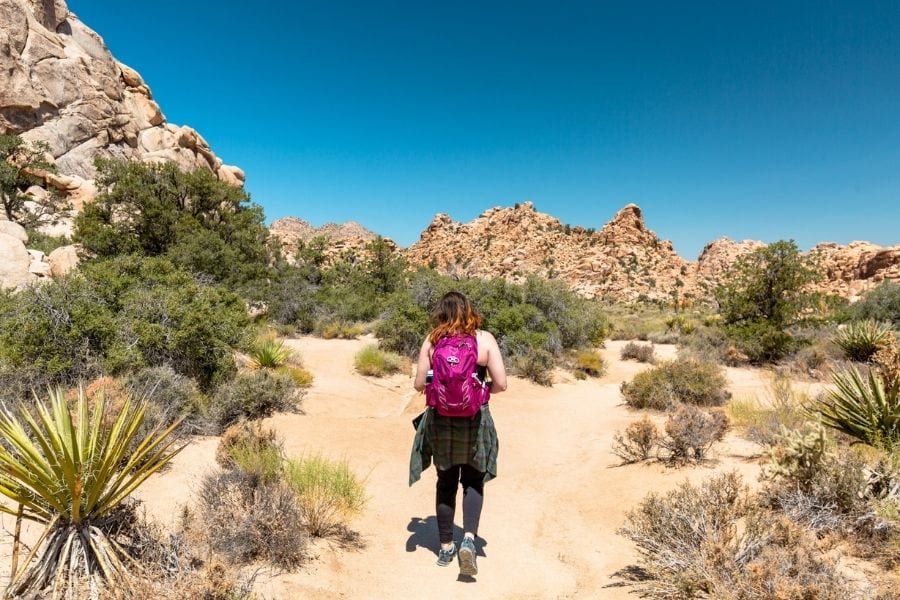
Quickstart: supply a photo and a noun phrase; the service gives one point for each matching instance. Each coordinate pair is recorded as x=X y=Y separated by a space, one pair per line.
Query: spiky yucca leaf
x=862 y=406
x=860 y=340
x=71 y=473
x=269 y=354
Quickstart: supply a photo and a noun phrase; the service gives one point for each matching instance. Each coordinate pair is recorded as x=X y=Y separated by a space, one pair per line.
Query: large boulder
x=15 y=230
x=63 y=260
x=15 y=262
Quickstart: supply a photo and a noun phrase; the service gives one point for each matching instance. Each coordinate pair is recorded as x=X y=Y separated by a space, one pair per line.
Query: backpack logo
x=455 y=390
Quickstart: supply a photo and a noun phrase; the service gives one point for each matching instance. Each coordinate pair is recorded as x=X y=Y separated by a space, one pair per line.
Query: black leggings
x=473 y=499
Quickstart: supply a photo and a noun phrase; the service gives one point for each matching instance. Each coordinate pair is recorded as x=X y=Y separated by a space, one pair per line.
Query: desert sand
x=549 y=524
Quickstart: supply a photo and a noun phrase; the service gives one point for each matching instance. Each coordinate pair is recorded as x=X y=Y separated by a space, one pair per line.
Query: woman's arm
x=495 y=364
x=423 y=365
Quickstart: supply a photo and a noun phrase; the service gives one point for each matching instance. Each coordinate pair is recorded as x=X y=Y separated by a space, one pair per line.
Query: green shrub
x=590 y=362
x=375 y=362
x=253 y=396
x=119 y=316
x=639 y=352
x=537 y=366
x=328 y=493
x=862 y=405
x=202 y=224
x=684 y=380
x=402 y=327
x=761 y=341
x=860 y=340
x=879 y=304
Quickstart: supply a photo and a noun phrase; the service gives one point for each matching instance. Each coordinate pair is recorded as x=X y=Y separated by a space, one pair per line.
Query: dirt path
x=550 y=518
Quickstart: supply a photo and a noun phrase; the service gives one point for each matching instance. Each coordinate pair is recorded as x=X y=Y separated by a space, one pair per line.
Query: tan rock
x=63 y=260
x=15 y=230
x=14 y=263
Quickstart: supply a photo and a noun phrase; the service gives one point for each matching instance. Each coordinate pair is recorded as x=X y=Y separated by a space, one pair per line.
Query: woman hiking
x=456 y=431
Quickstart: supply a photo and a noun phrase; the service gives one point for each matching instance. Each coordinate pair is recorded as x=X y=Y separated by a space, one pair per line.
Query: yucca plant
x=863 y=406
x=72 y=473
x=860 y=340
x=269 y=354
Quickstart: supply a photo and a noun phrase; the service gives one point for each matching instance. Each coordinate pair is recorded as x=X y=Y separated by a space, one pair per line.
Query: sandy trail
x=550 y=518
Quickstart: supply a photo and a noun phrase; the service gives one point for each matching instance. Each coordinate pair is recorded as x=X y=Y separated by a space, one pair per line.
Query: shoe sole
x=467 y=562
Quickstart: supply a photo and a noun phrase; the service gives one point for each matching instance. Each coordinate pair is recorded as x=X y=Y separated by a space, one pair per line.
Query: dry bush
x=690 y=433
x=300 y=376
x=327 y=492
x=640 y=352
x=253 y=451
x=638 y=442
x=340 y=329
x=685 y=380
x=713 y=541
x=244 y=523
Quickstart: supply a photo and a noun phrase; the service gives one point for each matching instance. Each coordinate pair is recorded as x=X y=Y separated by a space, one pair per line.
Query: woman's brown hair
x=454 y=314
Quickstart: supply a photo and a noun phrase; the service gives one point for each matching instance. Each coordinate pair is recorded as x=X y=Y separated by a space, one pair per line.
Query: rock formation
x=344 y=240
x=59 y=84
x=623 y=261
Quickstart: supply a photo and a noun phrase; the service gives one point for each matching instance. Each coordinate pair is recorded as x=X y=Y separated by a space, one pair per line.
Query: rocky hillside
x=343 y=240
x=59 y=84
x=623 y=260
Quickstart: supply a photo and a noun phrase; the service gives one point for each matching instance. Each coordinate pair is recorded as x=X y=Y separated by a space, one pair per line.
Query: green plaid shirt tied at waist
x=448 y=441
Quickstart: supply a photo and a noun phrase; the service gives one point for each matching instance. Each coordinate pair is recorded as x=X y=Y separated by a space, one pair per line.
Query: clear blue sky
x=767 y=120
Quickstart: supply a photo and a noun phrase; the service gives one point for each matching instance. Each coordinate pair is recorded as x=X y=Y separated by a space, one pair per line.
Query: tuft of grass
x=300 y=376
x=764 y=422
x=374 y=362
x=269 y=353
x=591 y=363
x=328 y=492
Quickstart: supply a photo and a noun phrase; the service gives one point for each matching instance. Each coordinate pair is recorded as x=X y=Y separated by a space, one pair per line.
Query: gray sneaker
x=467 y=564
x=445 y=557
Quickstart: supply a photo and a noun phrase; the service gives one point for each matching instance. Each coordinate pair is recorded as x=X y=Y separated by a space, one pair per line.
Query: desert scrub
x=590 y=362
x=536 y=365
x=246 y=520
x=340 y=329
x=639 y=352
x=683 y=380
x=880 y=304
x=764 y=422
x=860 y=340
x=253 y=451
x=691 y=546
x=328 y=493
x=374 y=362
x=299 y=375
x=170 y=396
x=252 y=396
x=638 y=442
x=690 y=433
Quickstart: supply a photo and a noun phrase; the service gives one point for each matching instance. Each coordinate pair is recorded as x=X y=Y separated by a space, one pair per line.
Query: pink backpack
x=455 y=390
